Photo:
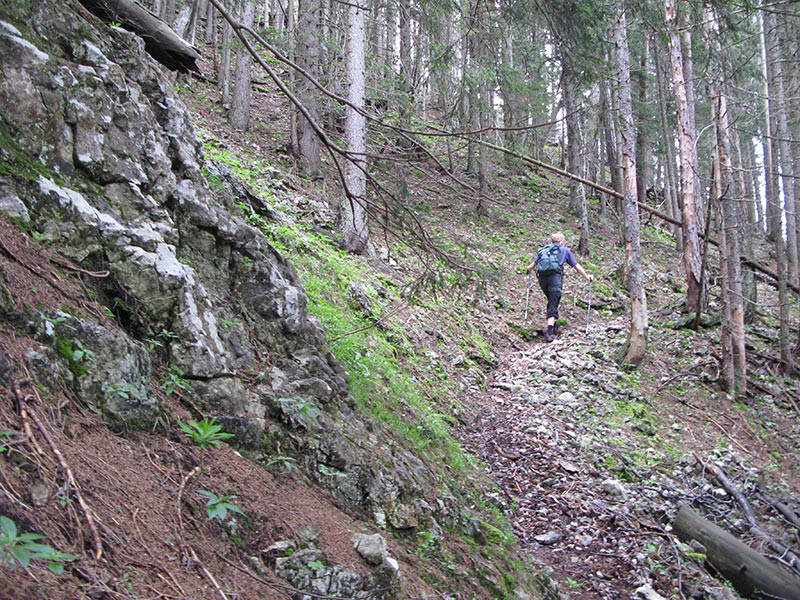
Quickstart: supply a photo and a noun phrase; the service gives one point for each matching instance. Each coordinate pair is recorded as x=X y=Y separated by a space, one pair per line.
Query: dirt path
x=584 y=471
x=537 y=432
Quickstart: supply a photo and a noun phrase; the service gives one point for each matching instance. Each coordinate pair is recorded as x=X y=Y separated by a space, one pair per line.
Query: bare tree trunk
x=610 y=138
x=734 y=359
x=692 y=256
x=353 y=226
x=224 y=68
x=668 y=133
x=749 y=230
x=784 y=164
x=406 y=58
x=307 y=147
x=774 y=209
x=575 y=144
x=239 y=115
x=644 y=175
x=636 y=345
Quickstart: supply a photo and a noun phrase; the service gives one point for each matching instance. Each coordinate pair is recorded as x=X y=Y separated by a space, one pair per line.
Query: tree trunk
x=353 y=226
x=751 y=573
x=774 y=209
x=160 y=41
x=610 y=138
x=784 y=165
x=307 y=147
x=692 y=256
x=668 y=133
x=734 y=360
x=749 y=231
x=224 y=69
x=239 y=115
x=644 y=152
x=575 y=144
x=636 y=345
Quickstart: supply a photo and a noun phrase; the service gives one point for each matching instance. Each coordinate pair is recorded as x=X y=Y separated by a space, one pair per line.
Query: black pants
x=551 y=286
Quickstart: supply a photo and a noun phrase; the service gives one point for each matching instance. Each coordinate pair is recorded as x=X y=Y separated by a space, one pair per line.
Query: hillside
x=586 y=462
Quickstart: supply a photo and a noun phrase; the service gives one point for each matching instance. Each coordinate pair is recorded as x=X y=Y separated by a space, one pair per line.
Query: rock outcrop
x=102 y=166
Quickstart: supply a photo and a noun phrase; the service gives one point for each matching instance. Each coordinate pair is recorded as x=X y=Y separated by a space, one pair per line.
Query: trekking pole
x=589 y=307
x=527 y=296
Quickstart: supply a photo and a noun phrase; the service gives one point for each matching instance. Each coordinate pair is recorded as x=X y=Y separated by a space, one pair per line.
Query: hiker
x=549 y=265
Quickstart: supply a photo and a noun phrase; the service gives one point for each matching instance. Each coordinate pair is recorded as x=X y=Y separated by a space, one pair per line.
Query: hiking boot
x=556 y=330
x=549 y=337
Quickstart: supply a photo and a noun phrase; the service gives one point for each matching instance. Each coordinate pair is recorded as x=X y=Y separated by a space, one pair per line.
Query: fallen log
x=160 y=41
x=751 y=573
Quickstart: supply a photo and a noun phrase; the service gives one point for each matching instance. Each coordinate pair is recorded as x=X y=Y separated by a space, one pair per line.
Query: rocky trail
x=589 y=478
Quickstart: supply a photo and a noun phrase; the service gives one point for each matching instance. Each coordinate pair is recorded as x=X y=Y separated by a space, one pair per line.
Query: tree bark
x=224 y=67
x=307 y=147
x=575 y=143
x=784 y=164
x=774 y=209
x=749 y=571
x=692 y=256
x=353 y=227
x=239 y=115
x=668 y=133
x=734 y=360
x=161 y=42
x=636 y=346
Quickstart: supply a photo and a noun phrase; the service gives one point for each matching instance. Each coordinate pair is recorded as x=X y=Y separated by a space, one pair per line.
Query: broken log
x=750 y=572
x=160 y=41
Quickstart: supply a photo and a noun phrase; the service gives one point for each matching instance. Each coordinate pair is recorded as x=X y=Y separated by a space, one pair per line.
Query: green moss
x=15 y=162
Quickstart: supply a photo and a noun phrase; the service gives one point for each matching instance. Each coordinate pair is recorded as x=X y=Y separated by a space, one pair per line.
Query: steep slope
x=145 y=317
x=590 y=460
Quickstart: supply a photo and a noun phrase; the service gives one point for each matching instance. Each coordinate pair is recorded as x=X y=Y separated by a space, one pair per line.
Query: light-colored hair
x=558 y=238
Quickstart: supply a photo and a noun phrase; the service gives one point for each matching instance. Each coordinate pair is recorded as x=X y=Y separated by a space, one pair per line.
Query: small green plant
x=219 y=506
x=160 y=339
x=206 y=432
x=127 y=581
x=124 y=390
x=5 y=436
x=75 y=353
x=49 y=324
x=306 y=410
x=287 y=462
x=174 y=380
x=315 y=565
x=23 y=548
x=328 y=472
x=426 y=544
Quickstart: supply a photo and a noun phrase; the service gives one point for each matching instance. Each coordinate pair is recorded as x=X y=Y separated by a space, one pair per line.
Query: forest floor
x=590 y=460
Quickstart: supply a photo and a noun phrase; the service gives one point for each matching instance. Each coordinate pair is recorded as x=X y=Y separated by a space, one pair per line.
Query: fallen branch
x=728 y=486
x=504 y=454
x=179 y=500
x=160 y=41
x=70 y=478
x=207 y=573
x=749 y=571
x=784 y=552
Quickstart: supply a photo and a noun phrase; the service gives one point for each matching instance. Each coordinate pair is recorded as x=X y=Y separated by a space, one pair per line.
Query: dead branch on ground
x=70 y=481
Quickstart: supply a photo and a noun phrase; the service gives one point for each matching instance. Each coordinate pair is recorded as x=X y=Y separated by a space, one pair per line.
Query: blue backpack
x=548 y=259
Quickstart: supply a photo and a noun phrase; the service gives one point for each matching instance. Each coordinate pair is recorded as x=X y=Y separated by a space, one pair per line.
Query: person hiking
x=549 y=265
